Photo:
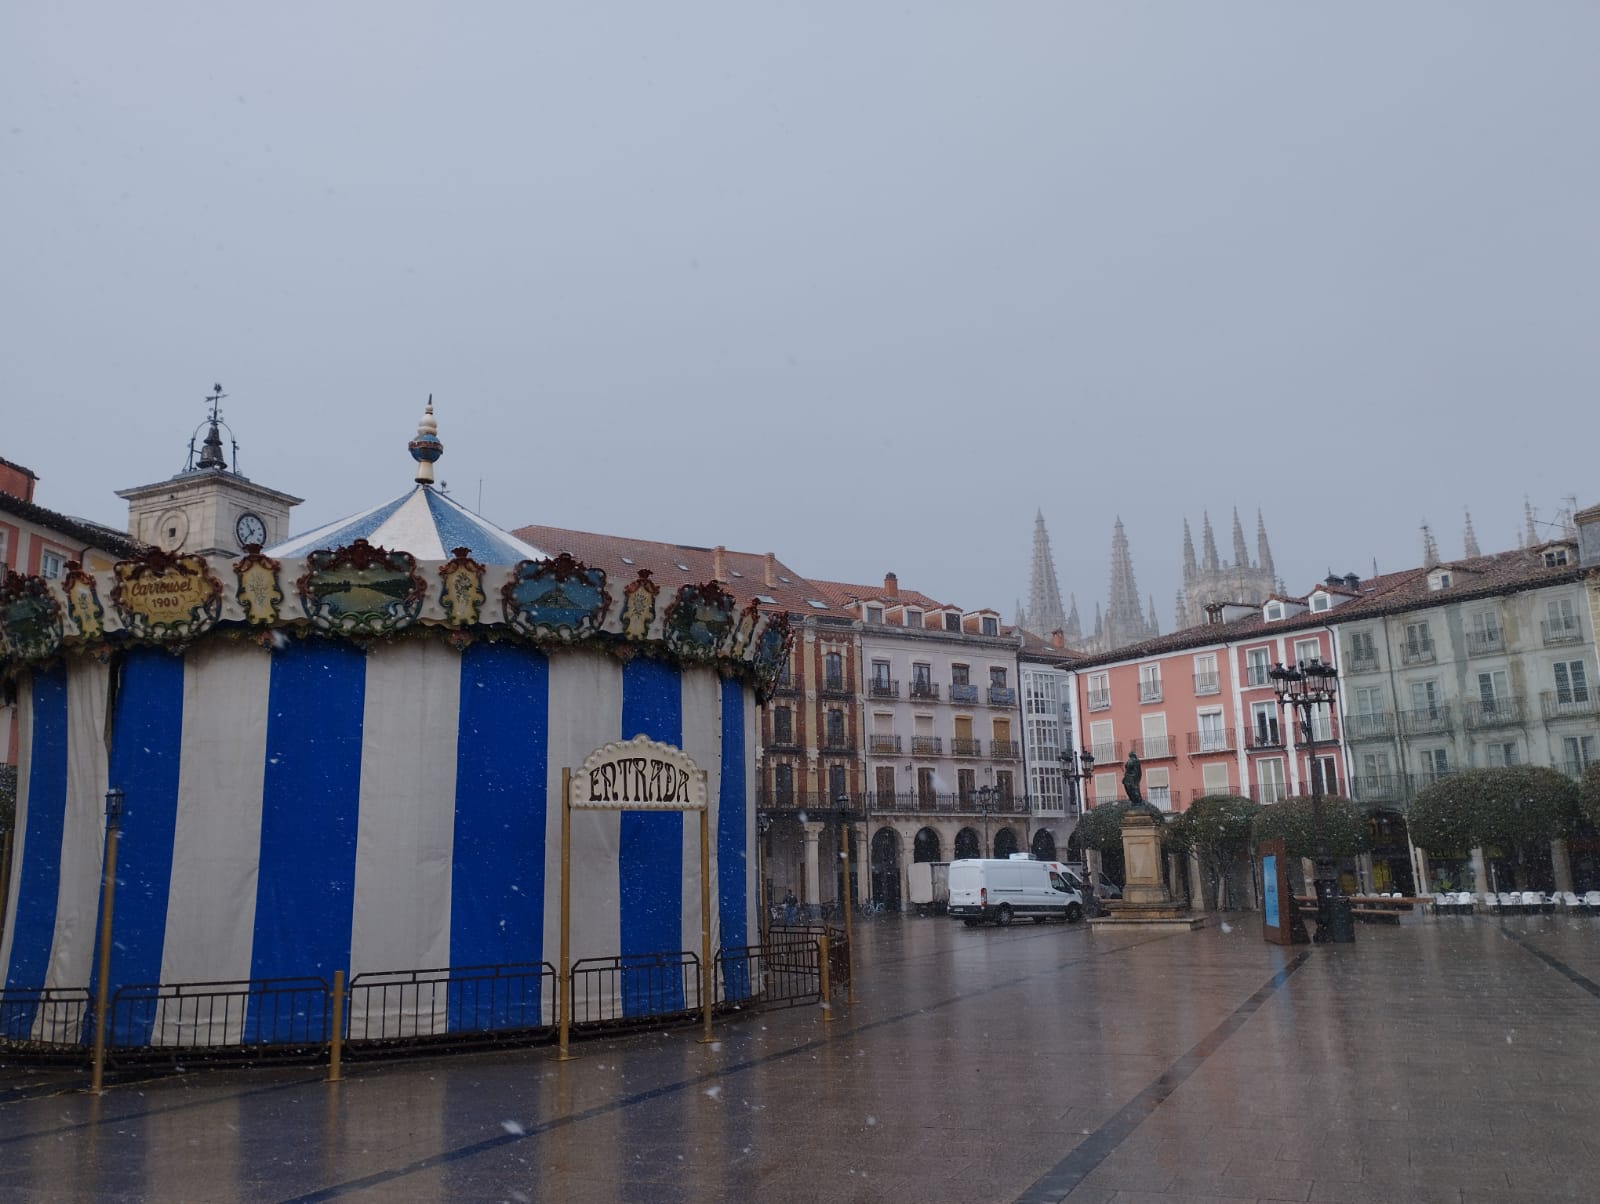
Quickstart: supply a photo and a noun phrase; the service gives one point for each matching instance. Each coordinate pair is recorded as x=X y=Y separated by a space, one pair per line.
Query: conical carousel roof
x=428 y=524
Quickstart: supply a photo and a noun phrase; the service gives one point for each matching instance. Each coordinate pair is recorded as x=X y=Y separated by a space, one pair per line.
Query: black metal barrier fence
x=398 y=1011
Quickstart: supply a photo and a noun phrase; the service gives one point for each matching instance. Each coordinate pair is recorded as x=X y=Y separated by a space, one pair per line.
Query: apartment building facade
x=942 y=731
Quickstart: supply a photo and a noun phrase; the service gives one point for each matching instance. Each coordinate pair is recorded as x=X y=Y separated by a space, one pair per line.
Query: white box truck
x=929 y=886
x=988 y=891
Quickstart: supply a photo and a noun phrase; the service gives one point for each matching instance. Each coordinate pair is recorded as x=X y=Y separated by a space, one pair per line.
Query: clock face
x=250 y=529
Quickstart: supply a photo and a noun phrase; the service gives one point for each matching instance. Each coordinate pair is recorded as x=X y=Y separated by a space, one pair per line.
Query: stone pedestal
x=1145 y=899
x=1141 y=851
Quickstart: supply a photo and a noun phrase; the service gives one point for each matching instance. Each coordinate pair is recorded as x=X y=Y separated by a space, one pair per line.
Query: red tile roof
x=745 y=575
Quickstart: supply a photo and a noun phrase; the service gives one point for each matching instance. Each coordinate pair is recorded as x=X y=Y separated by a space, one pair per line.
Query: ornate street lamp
x=1303 y=688
x=985 y=803
x=1076 y=769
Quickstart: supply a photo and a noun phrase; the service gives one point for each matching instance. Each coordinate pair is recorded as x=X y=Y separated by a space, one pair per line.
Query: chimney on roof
x=719 y=568
x=1214 y=613
x=1352 y=582
x=1058 y=638
x=770 y=570
x=891 y=586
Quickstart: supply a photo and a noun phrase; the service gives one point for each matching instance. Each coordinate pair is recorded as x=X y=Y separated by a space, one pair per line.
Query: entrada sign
x=639 y=775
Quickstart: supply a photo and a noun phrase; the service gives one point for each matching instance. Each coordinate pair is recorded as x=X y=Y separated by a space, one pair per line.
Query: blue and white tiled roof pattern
x=424 y=522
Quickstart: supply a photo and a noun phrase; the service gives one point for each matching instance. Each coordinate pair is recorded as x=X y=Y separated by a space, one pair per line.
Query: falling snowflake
x=512 y=1127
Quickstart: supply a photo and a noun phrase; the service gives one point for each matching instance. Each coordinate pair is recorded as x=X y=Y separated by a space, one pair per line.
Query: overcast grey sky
x=863 y=284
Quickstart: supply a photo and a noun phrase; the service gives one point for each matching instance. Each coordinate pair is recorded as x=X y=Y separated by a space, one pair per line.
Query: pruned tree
x=1217 y=829
x=1505 y=810
x=1291 y=822
x=1589 y=795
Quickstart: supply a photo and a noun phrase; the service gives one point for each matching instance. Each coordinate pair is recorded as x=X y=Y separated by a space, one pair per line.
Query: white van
x=988 y=891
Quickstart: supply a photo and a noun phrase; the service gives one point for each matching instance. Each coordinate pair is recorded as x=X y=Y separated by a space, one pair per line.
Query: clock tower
x=209 y=508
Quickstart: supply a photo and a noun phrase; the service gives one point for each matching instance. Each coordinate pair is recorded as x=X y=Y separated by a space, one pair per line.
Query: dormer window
x=1273 y=611
x=1555 y=557
x=1439 y=579
x=1319 y=601
x=991 y=625
x=875 y=614
x=913 y=618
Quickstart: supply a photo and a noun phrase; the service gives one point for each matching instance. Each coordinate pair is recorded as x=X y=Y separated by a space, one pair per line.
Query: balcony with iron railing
x=965 y=746
x=1106 y=750
x=1417 y=652
x=1378 y=787
x=1149 y=691
x=770 y=798
x=882 y=687
x=783 y=741
x=837 y=685
x=837 y=743
x=1099 y=700
x=1217 y=740
x=963 y=691
x=1425 y=721
x=1368 y=726
x=927 y=746
x=1483 y=643
x=1154 y=748
x=1360 y=662
x=1565 y=630
x=1004 y=750
x=1570 y=704
x=1268 y=792
x=1263 y=735
x=1575 y=769
x=1507 y=711
x=1002 y=696
x=1207 y=683
x=883 y=744
x=927 y=690
x=966 y=804
x=787 y=684
x=1257 y=675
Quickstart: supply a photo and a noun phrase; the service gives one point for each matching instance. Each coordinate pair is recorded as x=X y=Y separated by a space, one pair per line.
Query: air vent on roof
x=627 y=560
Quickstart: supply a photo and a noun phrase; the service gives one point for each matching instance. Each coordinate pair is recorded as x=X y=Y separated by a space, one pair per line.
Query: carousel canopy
x=428 y=524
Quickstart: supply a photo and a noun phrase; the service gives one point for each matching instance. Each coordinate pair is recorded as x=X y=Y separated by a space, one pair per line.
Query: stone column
x=1197 y=898
x=1562 y=863
x=813 y=879
x=1308 y=867
x=1364 y=872
x=1175 y=872
x=861 y=869
x=1480 y=873
x=1421 y=870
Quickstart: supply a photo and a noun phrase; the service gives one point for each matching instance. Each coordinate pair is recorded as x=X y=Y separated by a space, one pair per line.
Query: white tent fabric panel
x=211 y=909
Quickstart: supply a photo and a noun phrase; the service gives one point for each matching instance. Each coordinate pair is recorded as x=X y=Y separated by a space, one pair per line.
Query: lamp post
x=108 y=890
x=1302 y=689
x=849 y=899
x=1076 y=769
x=985 y=802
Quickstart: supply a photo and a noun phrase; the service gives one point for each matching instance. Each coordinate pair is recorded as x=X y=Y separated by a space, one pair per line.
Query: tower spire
x=1189 y=565
x=1469 y=539
x=1263 y=549
x=1044 y=613
x=1209 y=560
x=1125 y=621
x=1532 y=533
x=1241 y=553
x=1430 y=549
x=1074 y=628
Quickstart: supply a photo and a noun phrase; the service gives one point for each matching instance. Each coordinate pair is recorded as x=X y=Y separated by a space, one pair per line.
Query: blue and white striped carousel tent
x=346 y=756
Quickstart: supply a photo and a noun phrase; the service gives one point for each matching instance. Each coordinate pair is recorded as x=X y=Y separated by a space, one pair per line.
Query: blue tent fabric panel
x=498 y=870
x=731 y=837
x=146 y=750
x=305 y=884
x=650 y=871
x=33 y=925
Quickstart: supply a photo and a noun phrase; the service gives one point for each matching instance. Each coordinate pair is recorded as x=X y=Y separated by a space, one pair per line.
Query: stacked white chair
x=1591 y=901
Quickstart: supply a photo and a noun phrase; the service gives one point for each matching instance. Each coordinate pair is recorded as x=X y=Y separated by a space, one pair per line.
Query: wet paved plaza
x=1448 y=1059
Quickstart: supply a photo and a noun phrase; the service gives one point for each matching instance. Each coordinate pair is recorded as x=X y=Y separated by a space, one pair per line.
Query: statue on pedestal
x=1131 y=773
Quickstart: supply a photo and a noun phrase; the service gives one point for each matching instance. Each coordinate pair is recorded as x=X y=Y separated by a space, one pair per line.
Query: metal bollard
x=336 y=1046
